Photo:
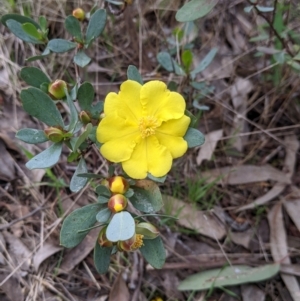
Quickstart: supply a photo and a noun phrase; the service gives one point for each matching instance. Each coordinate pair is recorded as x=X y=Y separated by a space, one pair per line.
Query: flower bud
x=117 y=203
x=102 y=239
x=84 y=117
x=54 y=134
x=147 y=230
x=57 y=89
x=118 y=184
x=79 y=14
x=131 y=244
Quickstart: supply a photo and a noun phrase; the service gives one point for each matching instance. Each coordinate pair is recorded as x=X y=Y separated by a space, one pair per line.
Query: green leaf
x=43 y=23
x=264 y=9
x=155 y=179
x=247 y=9
x=82 y=137
x=73 y=113
x=154 y=252
x=121 y=227
x=147 y=197
x=205 y=62
x=97 y=109
x=102 y=199
x=187 y=59
x=16 y=28
x=77 y=183
x=85 y=96
x=46 y=158
x=165 y=59
x=80 y=219
x=81 y=59
x=103 y=215
x=39 y=105
x=19 y=18
x=134 y=74
x=31 y=30
x=90 y=176
x=194 y=137
x=96 y=25
x=46 y=53
x=195 y=9
x=72 y=26
x=34 y=76
x=61 y=45
x=103 y=190
x=102 y=258
x=31 y=136
x=230 y=275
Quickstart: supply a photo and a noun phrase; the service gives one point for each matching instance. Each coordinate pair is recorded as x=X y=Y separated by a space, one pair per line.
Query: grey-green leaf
x=45 y=53
x=46 y=158
x=81 y=59
x=103 y=190
x=39 y=105
x=19 y=18
x=230 y=275
x=72 y=25
x=96 y=25
x=61 y=45
x=134 y=74
x=85 y=96
x=121 y=227
x=194 y=137
x=165 y=59
x=154 y=252
x=73 y=113
x=195 y=9
x=82 y=137
x=31 y=136
x=77 y=183
x=34 y=76
x=102 y=258
x=82 y=218
x=103 y=215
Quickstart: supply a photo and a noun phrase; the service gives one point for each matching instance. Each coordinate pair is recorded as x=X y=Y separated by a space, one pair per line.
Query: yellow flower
x=143 y=128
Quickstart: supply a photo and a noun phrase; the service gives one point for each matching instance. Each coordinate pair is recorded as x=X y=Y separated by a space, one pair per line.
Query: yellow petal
x=177 y=146
x=126 y=103
x=175 y=127
x=160 y=102
x=148 y=156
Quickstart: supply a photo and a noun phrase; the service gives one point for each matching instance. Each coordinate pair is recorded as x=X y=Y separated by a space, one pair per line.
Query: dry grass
x=260 y=127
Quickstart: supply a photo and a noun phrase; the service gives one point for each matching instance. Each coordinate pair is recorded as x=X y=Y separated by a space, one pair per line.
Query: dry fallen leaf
x=119 y=290
x=207 y=149
x=7 y=170
x=242 y=238
x=279 y=248
x=291 y=145
x=203 y=222
x=252 y=292
x=11 y=288
x=293 y=209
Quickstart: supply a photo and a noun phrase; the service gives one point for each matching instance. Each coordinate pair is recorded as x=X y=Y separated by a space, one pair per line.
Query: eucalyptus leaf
x=121 y=227
x=134 y=74
x=85 y=96
x=77 y=183
x=34 y=76
x=103 y=215
x=19 y=18
x=82 y=218
x=31 y=136
x=194 y=137
x=96 y=25
x=195 y=9
x=81 y=59
x=39 y=105
x=61 y=45
x=72 y=26
x=102 y=258
x=47 y=158
x=230 y=275
x=154 y=252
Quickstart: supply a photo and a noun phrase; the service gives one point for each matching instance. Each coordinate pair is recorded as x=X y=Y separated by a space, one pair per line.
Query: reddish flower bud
x=84 y=117
x=54 y=134
x=102 y=239
x=57 y=89
x=117 y=203
x=147 y=230
x=118 y=184
x=79 y=14
x=131 y=244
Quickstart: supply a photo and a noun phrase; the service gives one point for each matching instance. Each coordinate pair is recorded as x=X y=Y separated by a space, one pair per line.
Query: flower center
x=147 y=126
x=138 y=242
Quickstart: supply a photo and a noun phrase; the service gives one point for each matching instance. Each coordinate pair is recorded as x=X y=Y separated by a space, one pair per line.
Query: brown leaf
x=292 y=145
x=279 y=248
x=242 y=238
x=44 y=252
x=293 y=209
x=119 y=290
x=252 y=292
x=7 y=170
x=11 y=288
x=203 y=222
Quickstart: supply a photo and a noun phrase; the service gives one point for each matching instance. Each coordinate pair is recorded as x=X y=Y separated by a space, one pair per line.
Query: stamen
x=147 y=126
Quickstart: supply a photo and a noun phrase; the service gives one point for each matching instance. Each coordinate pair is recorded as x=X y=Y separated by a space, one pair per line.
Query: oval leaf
x=31 y=136
x=81 y=59
x=47 y=158
x=121 y=227
x=101 y=258
x=147 y=197
x=34 y=76
x=103 y=215
x=19 y=18
x=39 y=105
x=72 y=25
x=61 y=45
x=134 y=74
x=77 y=183
x=231 y=275
x=194 y=137
x=96 y=25
x=165 y=59
x=195 y=9
x=154 y=252
x=82 y=218
x=31 y=30
x=85 y=95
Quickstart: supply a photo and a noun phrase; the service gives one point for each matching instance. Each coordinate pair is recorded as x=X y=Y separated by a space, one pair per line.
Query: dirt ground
x=237 y=197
